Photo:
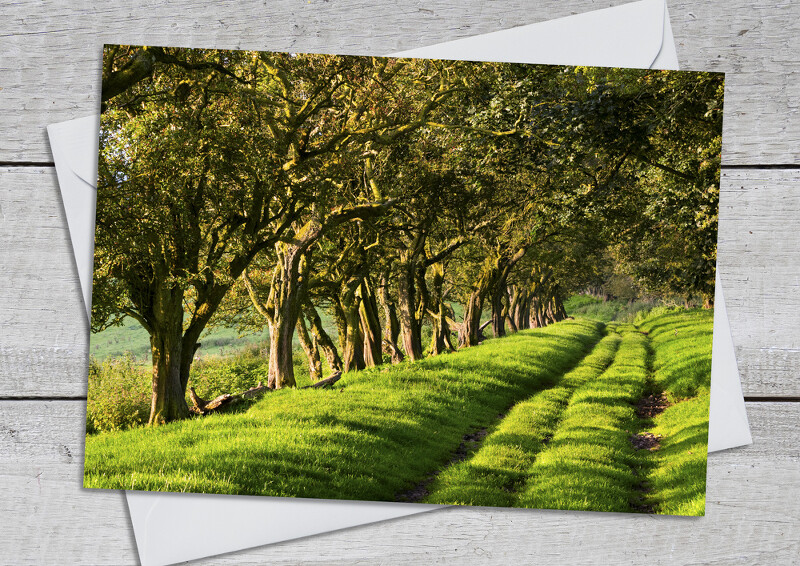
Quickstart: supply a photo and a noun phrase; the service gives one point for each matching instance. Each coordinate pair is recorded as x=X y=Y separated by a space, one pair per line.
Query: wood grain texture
x=43 y=328
x=751 y=518
x=49 y=71
x=50 y=52
x=759 y=261
x=44 y=337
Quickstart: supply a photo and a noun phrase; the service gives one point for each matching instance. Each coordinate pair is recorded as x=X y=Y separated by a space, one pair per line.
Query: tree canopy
x=260 y=188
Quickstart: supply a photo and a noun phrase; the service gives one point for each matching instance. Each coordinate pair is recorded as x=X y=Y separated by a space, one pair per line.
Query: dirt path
x=652 y=403
x=469 y=444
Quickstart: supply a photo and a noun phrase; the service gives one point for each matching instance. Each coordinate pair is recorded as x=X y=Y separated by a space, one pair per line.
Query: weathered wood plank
x=44 y=338
x=752 y=514
x=759 y=261
x=50 y=52
x=44 y=333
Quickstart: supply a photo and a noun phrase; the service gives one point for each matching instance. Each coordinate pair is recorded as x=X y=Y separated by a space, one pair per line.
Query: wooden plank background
x=49 y=72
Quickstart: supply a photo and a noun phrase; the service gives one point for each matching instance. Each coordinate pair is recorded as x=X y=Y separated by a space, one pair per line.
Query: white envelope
x=174 y=527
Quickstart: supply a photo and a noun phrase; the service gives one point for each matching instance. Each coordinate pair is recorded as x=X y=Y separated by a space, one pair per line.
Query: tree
x=183 y=208
x=178 y=218
x=303 y=182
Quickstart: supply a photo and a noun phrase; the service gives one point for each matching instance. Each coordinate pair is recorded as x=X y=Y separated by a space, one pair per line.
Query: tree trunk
x=521 y=309
x=323 y=339
x=498 y=316
x=370 y=326
x=469 y=334
x=311 y=348
x=168 y=402
x=341 y=323
x=353 y=342
x=440 y=340
x=409 y=326
x=286 y=295
x=512 y=295
x=393 y=325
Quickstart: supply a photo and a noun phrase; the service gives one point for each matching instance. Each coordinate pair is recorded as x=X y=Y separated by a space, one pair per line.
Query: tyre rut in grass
x=496 y=471
x=381 y=431
x=630 y=440
x=590 y=464
x=650 y=405
x=676 y=476
x=553 y=399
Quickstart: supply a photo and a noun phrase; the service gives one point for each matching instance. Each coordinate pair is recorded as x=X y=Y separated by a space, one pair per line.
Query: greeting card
x=404 y=280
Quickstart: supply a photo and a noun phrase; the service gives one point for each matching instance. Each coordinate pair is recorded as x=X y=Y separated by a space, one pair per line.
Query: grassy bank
x=682 y=344
x=377 y=435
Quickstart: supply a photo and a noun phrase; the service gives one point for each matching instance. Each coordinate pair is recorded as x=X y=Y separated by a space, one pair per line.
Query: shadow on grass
x=378 y=434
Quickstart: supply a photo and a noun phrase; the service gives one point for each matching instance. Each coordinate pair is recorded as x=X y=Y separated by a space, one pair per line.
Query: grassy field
x=131 y=338
x=543 y=418
x=373 y=437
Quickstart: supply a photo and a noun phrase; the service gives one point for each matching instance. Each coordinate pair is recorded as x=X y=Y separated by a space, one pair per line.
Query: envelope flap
x=74 y=146
x=622 y=36
x=74 y=138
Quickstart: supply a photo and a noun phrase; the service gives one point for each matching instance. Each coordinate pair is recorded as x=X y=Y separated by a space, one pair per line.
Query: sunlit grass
x=378 y=433
x=565 y=443
x=682 y=343
x=678 y=476
x=590 y=463
x=493 y=474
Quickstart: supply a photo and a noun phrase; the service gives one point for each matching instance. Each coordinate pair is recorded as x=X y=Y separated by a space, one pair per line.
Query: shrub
x=211 y=377
x=119 y=394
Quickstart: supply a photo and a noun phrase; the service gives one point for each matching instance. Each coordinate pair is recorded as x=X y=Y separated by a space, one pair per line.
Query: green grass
x=585 y=306
x=374 y=437
x=590 y=463
x=678 y=476
x=493 y=474
x=682 y=343
x=565 y=443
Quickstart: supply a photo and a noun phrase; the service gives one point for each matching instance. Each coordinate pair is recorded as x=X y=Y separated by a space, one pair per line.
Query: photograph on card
x=396 y=279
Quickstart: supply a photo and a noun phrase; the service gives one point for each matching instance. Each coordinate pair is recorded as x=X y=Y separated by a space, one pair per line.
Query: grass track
x=490 y=477
x=565 y=444
x=379 y=434
x=590 y=463
x=682 y=344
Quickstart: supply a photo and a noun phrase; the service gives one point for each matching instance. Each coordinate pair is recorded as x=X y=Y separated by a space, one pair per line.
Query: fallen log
x=327 y=382
x=203 y=407
x=481 y=328
x=256 y=391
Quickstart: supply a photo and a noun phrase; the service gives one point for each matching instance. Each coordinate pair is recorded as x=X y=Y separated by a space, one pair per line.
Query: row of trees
x=264 y=188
